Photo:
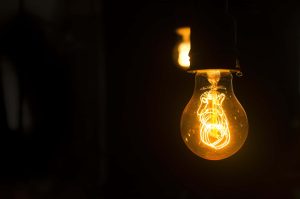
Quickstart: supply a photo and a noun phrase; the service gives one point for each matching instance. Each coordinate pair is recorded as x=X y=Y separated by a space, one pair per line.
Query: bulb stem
x=213 y=77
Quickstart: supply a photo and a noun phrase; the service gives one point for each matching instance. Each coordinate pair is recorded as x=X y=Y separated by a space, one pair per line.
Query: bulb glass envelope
x=214 y=124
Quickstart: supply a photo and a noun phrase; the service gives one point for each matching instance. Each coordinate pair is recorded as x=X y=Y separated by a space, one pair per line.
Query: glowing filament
x=214 y=131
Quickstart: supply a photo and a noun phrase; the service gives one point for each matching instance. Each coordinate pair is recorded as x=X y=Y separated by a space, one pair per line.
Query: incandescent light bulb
x=214 y=124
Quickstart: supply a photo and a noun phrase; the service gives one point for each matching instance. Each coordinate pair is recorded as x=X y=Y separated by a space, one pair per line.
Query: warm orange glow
x=214 y=124
x=214 y=131
x=184 y=47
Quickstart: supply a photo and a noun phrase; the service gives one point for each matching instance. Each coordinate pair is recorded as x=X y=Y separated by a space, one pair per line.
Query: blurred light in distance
x=184 y=47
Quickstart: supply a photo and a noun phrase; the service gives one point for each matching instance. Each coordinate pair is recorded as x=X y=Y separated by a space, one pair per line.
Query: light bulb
x=214 y=124
x=184 y=47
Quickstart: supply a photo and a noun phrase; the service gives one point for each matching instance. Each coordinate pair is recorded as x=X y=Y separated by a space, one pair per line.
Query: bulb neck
x=213 y=80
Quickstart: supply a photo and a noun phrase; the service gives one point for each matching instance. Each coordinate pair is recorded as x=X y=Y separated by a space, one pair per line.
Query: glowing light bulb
x=184 y=47
x=214 y=124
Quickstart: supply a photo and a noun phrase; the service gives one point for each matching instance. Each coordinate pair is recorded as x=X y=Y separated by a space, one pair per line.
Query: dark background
x=91 y=100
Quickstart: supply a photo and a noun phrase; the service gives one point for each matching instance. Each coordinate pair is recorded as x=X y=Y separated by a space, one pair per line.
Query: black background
x=91 y=101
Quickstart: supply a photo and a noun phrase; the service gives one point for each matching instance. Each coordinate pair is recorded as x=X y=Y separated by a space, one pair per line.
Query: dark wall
x=52 y=99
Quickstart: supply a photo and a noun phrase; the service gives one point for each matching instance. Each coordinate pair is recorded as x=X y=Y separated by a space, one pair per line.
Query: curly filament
x=214 y=131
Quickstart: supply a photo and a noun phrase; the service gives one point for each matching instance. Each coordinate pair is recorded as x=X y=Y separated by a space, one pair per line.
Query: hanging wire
x=226 y=6
x=237 y=63
x=21 y=6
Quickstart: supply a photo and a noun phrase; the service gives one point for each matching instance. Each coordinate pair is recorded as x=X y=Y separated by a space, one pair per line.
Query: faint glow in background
x=11 y=93
x=184 y=47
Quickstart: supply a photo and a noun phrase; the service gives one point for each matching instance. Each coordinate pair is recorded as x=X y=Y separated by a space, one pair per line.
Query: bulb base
x=213 y=42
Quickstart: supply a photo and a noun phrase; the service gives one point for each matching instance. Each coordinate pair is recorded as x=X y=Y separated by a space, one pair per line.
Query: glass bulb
x=214 y=124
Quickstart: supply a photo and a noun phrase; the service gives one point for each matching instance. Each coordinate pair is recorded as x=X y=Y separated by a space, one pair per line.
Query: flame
x=184 y=47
